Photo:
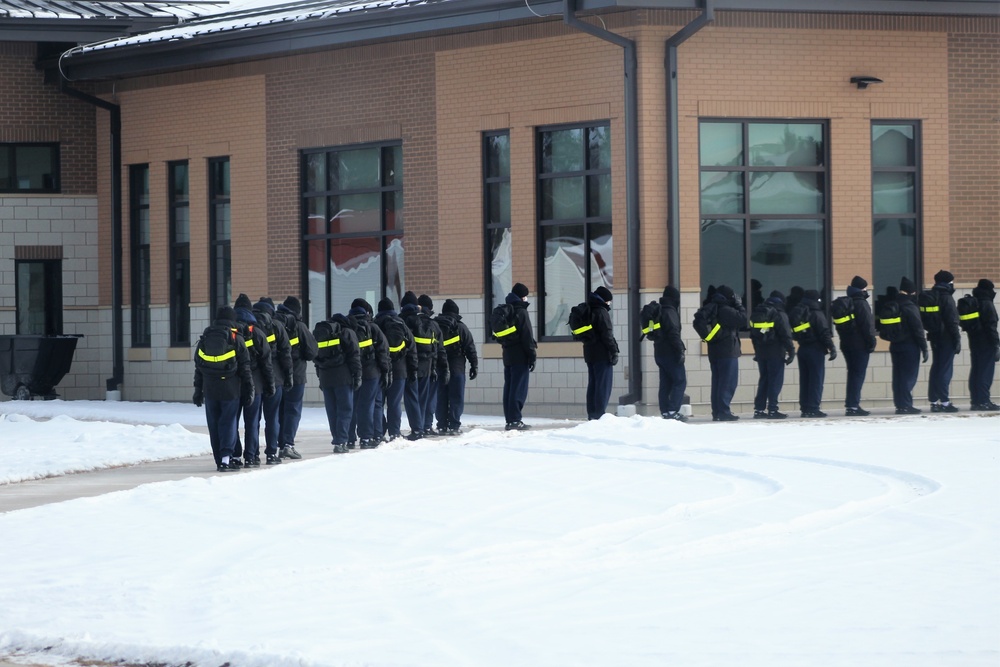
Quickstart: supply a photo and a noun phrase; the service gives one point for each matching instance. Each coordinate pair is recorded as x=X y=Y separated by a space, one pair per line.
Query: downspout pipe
x=634 y=394
x=673 y=152
x=118 y=337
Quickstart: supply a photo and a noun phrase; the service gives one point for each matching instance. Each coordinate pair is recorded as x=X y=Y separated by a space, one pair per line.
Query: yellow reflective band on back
x=652 y=327
x=930 y=309
x=270 y=339
x=762 y=325
x=365 y=343
x=891 y=320
x=970 y=316
x=802 y=327
x=585 y=328
x=215 y=360
x=452 y=340
x=505 y=332
x=293 y=341
x=711 y=334
x=398 y=347
x=328 y=343
x=249 y=342
x=423 y=341
x=845 y=318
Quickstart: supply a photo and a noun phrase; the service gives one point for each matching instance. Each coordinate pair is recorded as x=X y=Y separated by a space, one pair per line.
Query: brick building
x=332 y=150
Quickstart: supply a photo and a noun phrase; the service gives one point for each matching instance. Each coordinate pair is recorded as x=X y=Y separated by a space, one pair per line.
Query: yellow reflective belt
x=451 y=341
x=801 y=327
x=970 y=316
x=845 y=318
x=505 y=332
x=328 y=343
x=270 y=339
x=652 y=326
x=215 y=360
x=249 y=342
x=423 y=341
x=930 y=309
x=365 y=343
x=762 y=325
x=891 y=320
x=398 y=347
x=586 y=327
x=293 y=341
x=711 y=334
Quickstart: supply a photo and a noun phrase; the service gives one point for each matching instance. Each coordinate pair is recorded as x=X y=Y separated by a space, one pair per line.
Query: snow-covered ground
x=627 y=541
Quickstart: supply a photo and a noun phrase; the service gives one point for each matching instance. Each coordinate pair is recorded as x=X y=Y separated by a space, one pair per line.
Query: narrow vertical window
x=496 y=217
x=219 y=247
x=39 y=297
x=139 y=240
x=574 y=219
x=896 y=207
x=178 y=197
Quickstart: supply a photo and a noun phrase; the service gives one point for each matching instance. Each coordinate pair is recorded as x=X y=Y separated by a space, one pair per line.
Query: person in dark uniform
x=403 y=359
x=376 y=374
x=668 y=353
x=906 y=352
x=221 y=385
x=816 y=342
x=418 y=387
x=263 y=381
x=519 y=356
x=946 y=342
x=724 y=352
x=773 y=350
x=460 y=347
x=303 y=351
x=281 y=364
x=600 y=353
x=440 y=371
x=857 y=342
x=984 y=348
x=338 y=368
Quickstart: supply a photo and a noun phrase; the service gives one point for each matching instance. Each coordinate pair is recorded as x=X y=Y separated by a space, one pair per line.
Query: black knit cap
x=264 y=306
x=777 y=295
x=385 y=305
x=858 y=282
x=604 y=293
x=243 y=301
x=293 y=304
x=985 y=284
x=726 y=291
x=671 y=293
x=361 y=303
x=226 y=313
x=943 y=277
x=425 y=301
x=409 y=299
x=520 y=289
x=811 y=294
x=906 y=285
x=450 y=307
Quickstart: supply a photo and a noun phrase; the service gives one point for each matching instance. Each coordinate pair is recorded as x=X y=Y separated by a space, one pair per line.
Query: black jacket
x=404 y=362
x=281 y=351
x=375 y=365
x=303 y=347
x=461 y=350
x=259 y=350
x=348 y=369
x=732 y=317
x=602 y=347
x=910 y=315
x=780 y=344
x=432 y=361
x=987 y=335
x=670 y=344
x=862 y=335
x=950 y=336
x=230 y=387
x=822 y=336
x=525 y=350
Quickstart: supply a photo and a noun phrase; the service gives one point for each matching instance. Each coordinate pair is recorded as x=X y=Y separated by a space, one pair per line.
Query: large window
x=764 y=207
x=895 y=203
x=352 y=201
x=220 y=258
x=39 y=297
x=29 y=167
x=180 y=253
x=574 y=219
x=139 y=240
x=496 y=217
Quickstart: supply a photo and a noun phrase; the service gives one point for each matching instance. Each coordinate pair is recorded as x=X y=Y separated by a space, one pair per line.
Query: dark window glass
x=140 y=255
x=39 y=297
x=352 y=206
x=180 y=253
x=764 y=218
x=896 y=211
x=29 y=167
x=220 y=258
x=575 y=227
x=496 y=218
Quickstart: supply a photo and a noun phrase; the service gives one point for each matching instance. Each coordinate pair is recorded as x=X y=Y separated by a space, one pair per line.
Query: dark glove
x=754 y=358
x=270 y=390
x=871 y=348
x=833 y=354
x=473 y=373
x=736 y=301
x=248 y=395
x=386 y=380
x=925 y=355
x=789 y=358
x=445 y=376
x=434 y=375
x=614 y=359
x=958 y=348
x=356 y=382
x=531 y=367
x=198 y=398
x=411 y=377
x=996 y=355
x=288 y=383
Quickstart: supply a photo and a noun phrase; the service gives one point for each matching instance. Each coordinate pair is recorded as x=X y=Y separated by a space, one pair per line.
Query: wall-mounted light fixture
x=863 y=82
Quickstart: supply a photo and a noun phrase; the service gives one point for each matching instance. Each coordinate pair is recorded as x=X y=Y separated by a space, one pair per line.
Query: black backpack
x=930 y=311
x=706 y=321
x=502 y=324
x=366 y=341
x=395 y=334
x=331 y=352
x=291 y=324
x=649 y=321
x=968 y=313
x=801 y=326
x=842 y=314
x=581 y=322
x=450 y=337
x=763 y=319
x=890 y=321
x=216 y=351
x=267 y=326
x=423 y=335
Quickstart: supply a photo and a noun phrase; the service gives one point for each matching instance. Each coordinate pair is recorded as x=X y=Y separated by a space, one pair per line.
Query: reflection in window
x=574 y=192
x=220 y=233
x=496 y=217
x=29 y=167
x=764 y=223
x=352 y=205
x=180 y=253
x=140 y=257
x=895 y=203
x=39 y=297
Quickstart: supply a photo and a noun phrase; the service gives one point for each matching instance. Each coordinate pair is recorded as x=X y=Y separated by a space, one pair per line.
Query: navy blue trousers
x=673 y=383
x=363 y=417
x=812 y=375
x=222 y=418
x=392 y=398
x=857 y=370
x=600 y=378
x=430 y=403
x=251 y=429
x=271 y=409
x=905 y=369
x=772 y=379
x=981 y=373
x=515 y=391
x=942 y=370
x=339 y=404
x=451 y=402
x=291 y=414
x=725 y=378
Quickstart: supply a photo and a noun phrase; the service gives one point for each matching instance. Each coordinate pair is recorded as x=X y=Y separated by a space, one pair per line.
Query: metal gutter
x=673 y=154
x=118 y=337
x=634 y=394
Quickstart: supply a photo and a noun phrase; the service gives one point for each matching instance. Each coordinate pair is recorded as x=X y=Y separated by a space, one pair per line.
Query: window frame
x=587 y=221
x=53 y=306
x=56 y=165
x=218 y=296
x=747 y=217
x=180 y=303
x=139 y=256
x=488 y=179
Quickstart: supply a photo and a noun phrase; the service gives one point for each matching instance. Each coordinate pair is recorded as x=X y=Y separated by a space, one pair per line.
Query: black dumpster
x=33 y=365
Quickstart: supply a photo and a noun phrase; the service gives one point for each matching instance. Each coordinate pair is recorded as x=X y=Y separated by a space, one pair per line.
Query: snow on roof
x=123 y=9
